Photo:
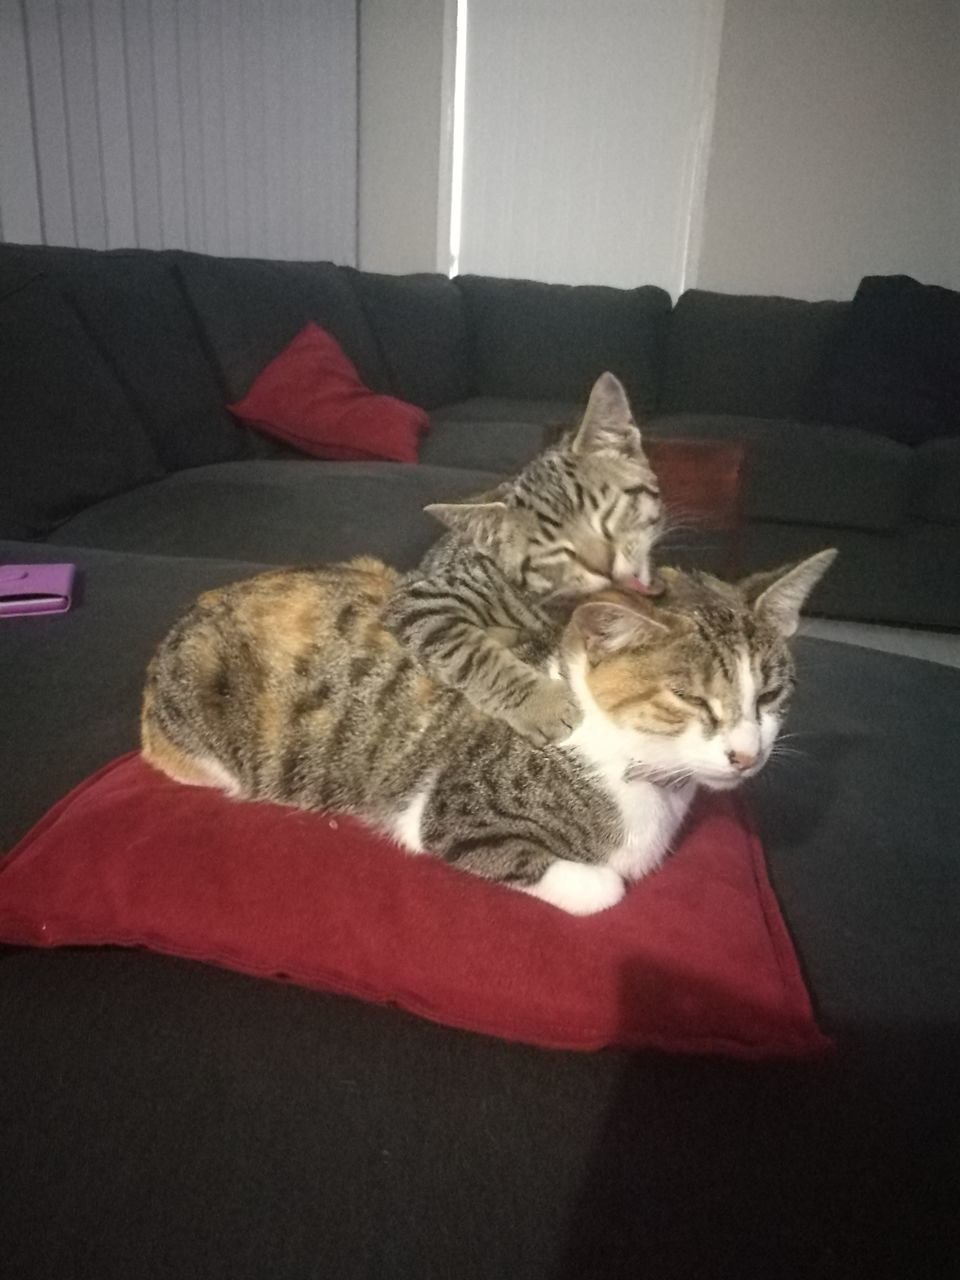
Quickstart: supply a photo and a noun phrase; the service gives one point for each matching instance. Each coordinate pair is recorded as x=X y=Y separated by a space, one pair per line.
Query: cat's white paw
x=578 y=887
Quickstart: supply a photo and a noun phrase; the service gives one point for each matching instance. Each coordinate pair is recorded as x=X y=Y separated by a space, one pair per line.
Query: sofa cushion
x=491 y=446
x=503 y=409
x=908 y=578
x=552 y=341
x=310 y=396
x=133 y=309
x=421 y=328
x=249 y=310
x=756 y=356
x=809 y=473
x=937 y=466
x=277 y=512
x=898 y=367
x=69 y=435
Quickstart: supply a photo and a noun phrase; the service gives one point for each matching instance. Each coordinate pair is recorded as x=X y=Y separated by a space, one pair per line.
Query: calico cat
x=288 y=687
x=583 y=515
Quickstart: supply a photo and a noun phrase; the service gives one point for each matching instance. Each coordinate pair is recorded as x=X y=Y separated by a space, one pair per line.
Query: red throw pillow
x=695 y=959
x=311 y=396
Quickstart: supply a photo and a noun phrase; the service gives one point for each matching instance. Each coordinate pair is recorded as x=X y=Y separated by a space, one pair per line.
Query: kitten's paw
x=548 y=715
x=578 y=887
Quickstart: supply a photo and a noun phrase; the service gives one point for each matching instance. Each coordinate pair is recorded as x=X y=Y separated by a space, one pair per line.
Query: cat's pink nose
x=742 y=760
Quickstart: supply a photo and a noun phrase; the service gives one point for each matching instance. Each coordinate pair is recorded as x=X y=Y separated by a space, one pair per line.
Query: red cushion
x=694 y=959
x=311 y=396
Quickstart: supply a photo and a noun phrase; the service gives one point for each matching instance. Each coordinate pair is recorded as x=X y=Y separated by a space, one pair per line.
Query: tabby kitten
x=289 y=688
x=583 y=515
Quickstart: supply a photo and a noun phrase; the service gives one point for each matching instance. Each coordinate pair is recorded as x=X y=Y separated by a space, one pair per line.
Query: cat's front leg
x=581 y=888
x=548 y=712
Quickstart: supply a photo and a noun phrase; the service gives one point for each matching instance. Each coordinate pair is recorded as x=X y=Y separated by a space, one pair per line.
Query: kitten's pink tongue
x=643 y=588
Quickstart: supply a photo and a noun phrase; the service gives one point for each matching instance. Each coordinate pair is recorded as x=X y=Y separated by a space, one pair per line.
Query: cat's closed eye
x=771 y=695
x=694 y=700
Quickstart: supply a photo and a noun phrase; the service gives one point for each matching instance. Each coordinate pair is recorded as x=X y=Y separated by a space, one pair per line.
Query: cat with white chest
x=289 y=687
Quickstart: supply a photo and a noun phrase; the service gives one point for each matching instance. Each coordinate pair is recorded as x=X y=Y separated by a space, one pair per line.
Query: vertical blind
x=584 y=130
x=225 y=126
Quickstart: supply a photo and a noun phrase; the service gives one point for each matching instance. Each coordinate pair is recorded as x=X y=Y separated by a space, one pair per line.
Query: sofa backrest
x=249 y=309
x=754 y=356
x=134 y=312
x=69 y=435
x=420 y=326
x=551 y=341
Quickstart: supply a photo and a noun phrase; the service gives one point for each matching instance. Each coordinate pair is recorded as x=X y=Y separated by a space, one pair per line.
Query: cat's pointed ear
x=481 y=522
x=782 y=593
x=607 y=626
x=607 y=424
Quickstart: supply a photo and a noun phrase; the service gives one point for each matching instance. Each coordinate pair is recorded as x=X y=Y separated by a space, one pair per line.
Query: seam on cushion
x=306 y=444
x=473 y=380
x=23 y=284
x=808 y=1042
x=203 y=338
x=148 y=425
x=348 y=273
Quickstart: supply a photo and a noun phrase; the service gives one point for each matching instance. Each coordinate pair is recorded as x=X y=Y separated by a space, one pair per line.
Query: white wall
x=401 y=77
x=584 y=130
x=227 y=126
x=835 y=151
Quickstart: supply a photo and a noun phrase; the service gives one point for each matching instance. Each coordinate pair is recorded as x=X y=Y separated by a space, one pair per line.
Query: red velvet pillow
x=695 y=959
x=311 y=396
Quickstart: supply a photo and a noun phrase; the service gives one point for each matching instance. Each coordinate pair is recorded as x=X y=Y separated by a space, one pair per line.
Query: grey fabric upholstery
x=154 y=350
x=420 y=324
x=758 y=357
x=809 y=473
x=907 y=578
x=69 y=435
x=497 y=445
x=546 y=341
x=249 y=310
x=938 y=480
x=493 y=432
x=279 y=512
x=897 y=369
x=510 y=409
x=70 y=684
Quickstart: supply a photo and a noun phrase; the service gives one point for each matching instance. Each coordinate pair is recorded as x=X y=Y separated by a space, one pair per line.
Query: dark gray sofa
x=170 y=338
x=160 y=1119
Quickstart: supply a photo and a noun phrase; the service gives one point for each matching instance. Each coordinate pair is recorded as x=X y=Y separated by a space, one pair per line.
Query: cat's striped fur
x=583 y=515
x=288 y=687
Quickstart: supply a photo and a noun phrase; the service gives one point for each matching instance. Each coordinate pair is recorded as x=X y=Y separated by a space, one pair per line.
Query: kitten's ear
x=481 y=522
x=781 y=594
x=608 y=425
x=607 y=627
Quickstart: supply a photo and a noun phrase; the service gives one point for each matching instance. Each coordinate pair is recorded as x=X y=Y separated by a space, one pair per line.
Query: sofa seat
x=162 y=1118
x=278 y=512
x=492 y=432
x=875 y=577
x=809 y=473
x=508 y=409
x=938 y=480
